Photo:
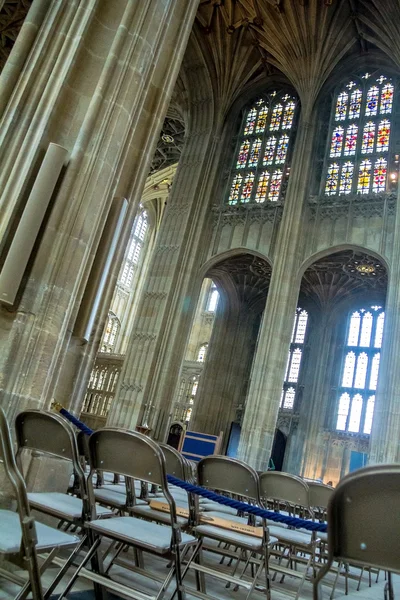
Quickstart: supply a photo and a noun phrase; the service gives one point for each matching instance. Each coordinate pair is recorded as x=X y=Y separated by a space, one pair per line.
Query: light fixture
x=393 y=176
x=168 y=139
x=365 y=269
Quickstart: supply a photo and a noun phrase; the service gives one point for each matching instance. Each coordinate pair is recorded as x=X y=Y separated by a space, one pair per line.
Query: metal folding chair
x=364 y=523
x=236 y=479
x=21 y=538
x=136 y=457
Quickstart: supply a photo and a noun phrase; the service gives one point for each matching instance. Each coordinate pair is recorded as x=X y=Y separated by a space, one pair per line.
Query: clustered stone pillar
x=95 y=77
x=269 y=365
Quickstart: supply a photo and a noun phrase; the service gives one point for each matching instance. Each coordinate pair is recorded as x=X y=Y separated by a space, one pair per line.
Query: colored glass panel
x=355 y=414
x=341 y=107
x=288 y=115
x=235 y=189
x=247 y=187
x=350 y=140
x=275 y=186
x=382 y=141
x=369 y=413
x=355 y=104
x=337 y=141
x=269 y=152
x=371 y=107
x=281 y=150
x=276 y=117
x=386 y=99
x=243 y=154
x=262 y=186
x=262 y=119
x=346 y=178
x=364 y=177
x=380 y=172
x=250 y=121
x=332 y=179
x=255 y=153
x=344 y=405
x=368 y=138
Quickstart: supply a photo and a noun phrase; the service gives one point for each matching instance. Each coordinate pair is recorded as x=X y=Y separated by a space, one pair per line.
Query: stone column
x=223 y=384
x=97 y=80
x=268 y=373
x=163 y=319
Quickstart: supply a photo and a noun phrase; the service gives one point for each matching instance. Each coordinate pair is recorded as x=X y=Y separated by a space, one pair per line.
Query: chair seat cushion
x=214 y=506
x=144 y=534
x=48 y=537
x=156 y=515
x=249 y=542
x=62 y=505
x=291 y=536
x=227 y=517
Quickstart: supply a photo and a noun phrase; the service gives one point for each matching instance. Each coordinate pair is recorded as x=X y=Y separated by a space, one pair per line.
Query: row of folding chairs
x=94 y=515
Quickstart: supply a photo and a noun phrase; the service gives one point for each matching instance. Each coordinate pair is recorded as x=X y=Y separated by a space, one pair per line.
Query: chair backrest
x=284 y=487
x=82 y=440
x=363 y=518
x=319 y=494
x=175 y=463
x=228 y=475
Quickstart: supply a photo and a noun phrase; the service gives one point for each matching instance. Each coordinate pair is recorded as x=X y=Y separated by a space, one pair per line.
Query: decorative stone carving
x=170 y=144
x=131 y=387
x=162 y=248
x=251 y=212
x=364 y=205
x=143 y=336
x=155 y=295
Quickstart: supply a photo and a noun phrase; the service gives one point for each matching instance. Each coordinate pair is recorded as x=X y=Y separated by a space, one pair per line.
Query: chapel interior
x=200 y=232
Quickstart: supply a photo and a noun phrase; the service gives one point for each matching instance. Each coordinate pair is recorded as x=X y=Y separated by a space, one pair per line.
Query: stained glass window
x=360 y=369
x=290 y=386
x=264 y=143
x=358 y=129
x=212 y=300
x=201 y=355
x=135 y=246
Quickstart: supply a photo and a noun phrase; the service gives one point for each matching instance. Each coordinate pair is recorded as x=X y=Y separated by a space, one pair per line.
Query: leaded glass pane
x=343 y=411
x=379 y=330
x=368 y=140
x=346 y=178
x=355 y=414
x=295 y=366
x=354 y=329
x=337 y=141
x=371 y=107
x=262 y=119
x=386 y=99
x=351 y=140
x=250 y=121
x=255 y=153
x=373 y=380
x=348 y=370
x=275 y=185
x=366 y=330
x=288 y=402
x=332 y=179
x=364 y=177
x=380 y=172
x=276 y=117
x=369 y=413
x=269 y=152
x=288 y=115
x=341 y=107
x=355 y=104
x=282 y=149
x=235 y=189
x=201 y=356
x=247 y=187
x=301 y=327
x=243 y=154
x=262 y=186
x=382 y=141
x=361 y=371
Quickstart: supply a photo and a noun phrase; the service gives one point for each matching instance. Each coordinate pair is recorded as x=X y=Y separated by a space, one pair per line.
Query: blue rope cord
x=200 y=491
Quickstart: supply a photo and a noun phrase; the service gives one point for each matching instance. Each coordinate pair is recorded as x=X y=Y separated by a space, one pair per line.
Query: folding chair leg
x=100 y=592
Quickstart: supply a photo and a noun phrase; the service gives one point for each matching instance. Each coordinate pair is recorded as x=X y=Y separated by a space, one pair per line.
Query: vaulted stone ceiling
x=170 y=144
x=12 y=15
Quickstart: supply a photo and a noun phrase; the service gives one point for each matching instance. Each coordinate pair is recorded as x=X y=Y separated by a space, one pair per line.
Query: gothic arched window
x=111 y=331
x=359 y=375
x=201 y=356
x=294 y=359
x=212 y=299
x=360 y=137
x=135 y=246
x=261 y=167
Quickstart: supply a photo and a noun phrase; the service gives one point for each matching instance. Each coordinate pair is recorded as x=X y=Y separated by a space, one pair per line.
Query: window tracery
x=261 y=164
x=359 y=376
x=212 y=299
x=296 y=350
x=358 y=153
x=111 y=332
x=201 y=355
x=135 y=247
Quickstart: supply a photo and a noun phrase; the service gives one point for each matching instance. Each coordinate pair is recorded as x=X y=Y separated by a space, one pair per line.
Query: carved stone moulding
x=358 y=205
x=267 y=212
